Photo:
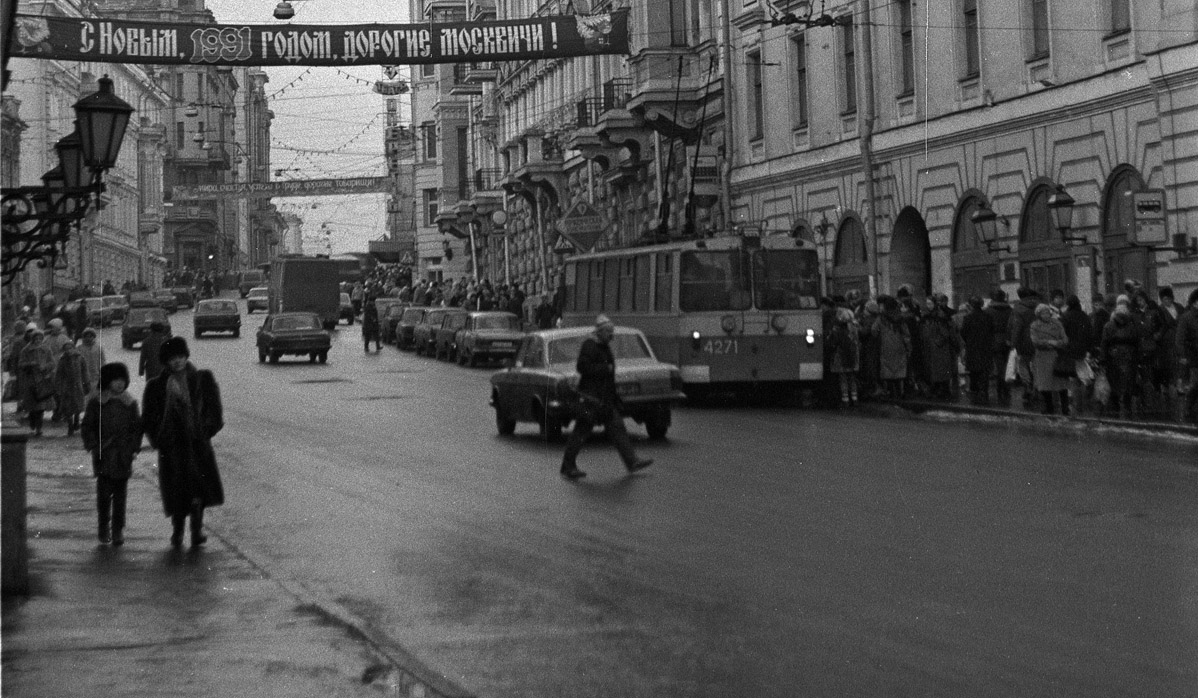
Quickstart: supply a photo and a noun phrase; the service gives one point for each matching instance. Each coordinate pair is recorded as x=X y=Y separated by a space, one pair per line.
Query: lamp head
x=102 y=118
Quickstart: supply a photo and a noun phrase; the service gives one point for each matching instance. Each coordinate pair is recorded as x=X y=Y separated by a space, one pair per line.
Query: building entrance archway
x=910 y=254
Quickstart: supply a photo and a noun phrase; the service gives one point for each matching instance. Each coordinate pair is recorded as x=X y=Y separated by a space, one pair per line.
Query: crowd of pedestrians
x=1132 y=355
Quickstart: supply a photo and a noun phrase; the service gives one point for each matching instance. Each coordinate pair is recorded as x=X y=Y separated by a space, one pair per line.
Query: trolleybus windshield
x=714 y=280
x=785 y=279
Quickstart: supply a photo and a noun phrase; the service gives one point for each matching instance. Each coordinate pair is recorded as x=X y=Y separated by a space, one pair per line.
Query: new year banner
x=121 y=41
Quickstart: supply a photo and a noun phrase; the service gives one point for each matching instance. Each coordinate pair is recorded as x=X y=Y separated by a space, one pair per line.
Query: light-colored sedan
x=540 y=385
x=257 y=299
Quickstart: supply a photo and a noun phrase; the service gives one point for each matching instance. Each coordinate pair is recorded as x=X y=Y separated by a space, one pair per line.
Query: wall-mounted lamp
x=284 y=10
x=1060 y=205
x=985 y=220
x=191 y=111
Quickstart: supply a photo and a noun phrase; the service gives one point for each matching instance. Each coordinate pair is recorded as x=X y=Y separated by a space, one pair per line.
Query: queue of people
x=1131 y=355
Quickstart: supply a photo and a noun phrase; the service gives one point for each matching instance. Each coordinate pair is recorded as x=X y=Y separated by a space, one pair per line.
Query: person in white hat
x=599 y=402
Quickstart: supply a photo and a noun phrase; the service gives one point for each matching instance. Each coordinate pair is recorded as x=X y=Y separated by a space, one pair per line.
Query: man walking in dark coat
x=182 y=413
x=148 y=364
x=977 y=334
x=1000 y=322
x=600 y=403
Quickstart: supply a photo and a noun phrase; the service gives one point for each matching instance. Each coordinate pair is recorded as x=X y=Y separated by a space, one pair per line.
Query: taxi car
x=424 y=333
x=488 y=335
x=257 y=299
x=115 y=307
x=185 y=296
x=137 y=325
x=390 y=309
x=405 y=329
x=346 y=311
x=444 y=337
x=540 y=385
x=215 y=315
x=166 y=300
x=294 y=334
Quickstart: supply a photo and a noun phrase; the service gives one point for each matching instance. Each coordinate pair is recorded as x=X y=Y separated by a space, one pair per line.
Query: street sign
x=1150 y=217
x=406 y=259
x=583 y=224
x=563 y=245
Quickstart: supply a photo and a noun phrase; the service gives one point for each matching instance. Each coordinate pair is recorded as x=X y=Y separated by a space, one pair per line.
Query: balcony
x=462 y=87
x=480 y=72
x=671 y=103
x=605 y=126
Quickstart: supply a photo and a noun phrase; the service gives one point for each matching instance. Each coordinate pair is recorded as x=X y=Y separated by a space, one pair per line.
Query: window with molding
x=799 y=104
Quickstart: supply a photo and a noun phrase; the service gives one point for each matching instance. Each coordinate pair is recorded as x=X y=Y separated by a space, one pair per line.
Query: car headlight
x=696 y=339
x=810 y=336
x=778 y=322
x=728 y=323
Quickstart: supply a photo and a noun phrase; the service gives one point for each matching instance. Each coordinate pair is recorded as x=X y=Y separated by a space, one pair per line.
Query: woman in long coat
x=941 y=344
x=1049 y=338
x=36 y=370
x=894 y=347
x=1121 y=355
x=71 y=385
x=977 y=334
x=182 y=412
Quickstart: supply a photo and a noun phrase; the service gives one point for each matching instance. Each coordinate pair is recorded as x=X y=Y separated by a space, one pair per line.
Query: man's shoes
x=118 y=538
x=103 y=536
x=640 y=465
x=177 y=539
x=198 y=539
x=572 y=473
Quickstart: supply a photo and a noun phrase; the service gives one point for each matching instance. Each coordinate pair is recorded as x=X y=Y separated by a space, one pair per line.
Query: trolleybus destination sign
x=126 y=41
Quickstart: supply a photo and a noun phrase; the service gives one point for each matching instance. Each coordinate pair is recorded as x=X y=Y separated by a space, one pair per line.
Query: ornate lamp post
x=38 y=220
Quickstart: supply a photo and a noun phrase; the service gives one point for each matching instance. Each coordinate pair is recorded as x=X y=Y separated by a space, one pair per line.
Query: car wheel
x=274 y=357
x=198 y=333
x=261 y=356
x=323 y=357
x=237 y=332
x=312 y=358
x=658 y=424
x=505 y=426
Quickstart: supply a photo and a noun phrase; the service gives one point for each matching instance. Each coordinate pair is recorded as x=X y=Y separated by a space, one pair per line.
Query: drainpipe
x=726 y=178
x=867 y=154
x=539 y=211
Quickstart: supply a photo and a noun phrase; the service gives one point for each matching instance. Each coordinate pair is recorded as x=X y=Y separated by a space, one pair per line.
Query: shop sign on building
x=1150 y=217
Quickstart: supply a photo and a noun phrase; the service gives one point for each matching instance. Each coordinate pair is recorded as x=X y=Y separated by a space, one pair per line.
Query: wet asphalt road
x=769 y=552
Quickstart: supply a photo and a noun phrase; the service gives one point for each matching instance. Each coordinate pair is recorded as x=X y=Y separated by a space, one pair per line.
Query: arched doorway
x=850 y=268
x=911 y=253
x=975 y=267
x=1120 y=259
x=1045 y=260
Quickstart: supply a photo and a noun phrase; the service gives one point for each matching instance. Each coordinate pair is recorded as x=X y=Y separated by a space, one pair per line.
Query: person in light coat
x=1049 y=339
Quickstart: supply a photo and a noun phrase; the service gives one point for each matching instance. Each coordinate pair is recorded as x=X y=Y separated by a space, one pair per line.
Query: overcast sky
x=326 y=109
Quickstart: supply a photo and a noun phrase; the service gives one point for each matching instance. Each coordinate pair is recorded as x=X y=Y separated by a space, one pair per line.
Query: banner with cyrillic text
x=122 y=41
x=295 y=187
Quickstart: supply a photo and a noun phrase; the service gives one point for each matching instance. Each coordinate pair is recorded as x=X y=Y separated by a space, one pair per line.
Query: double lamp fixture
x=38 y=220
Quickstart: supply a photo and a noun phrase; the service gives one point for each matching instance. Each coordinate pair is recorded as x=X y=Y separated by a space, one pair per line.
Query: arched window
x=1037 y=224
x=850 y=243
x=1120 y=259
x=975 y=267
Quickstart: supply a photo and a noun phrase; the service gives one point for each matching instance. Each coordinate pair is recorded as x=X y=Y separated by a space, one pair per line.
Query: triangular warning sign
x=563 y=245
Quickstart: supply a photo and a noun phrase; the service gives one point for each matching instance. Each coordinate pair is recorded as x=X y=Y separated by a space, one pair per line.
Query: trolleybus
x=732 y=312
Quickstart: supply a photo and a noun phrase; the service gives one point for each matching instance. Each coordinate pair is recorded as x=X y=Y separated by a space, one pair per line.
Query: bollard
x=14 y=554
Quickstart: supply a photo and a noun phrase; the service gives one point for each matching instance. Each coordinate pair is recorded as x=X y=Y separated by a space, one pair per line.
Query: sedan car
x=445 y=337
x=346 y=312
x=405 y=329
x=540 y=385
x=97 y=314
x=143 y=299
x=424 y=333
x=390 y=311
x=215 y=315
x=185 y=296
x=488 y=335
x=295 y=334
x=137 y=324
x=116 y=308
x=166 y=300
x=257 y=299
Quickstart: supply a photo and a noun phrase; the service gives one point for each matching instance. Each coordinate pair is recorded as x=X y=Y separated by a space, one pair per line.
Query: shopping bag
x=1012 y=372
x=1102 y=387
x=1085 y=373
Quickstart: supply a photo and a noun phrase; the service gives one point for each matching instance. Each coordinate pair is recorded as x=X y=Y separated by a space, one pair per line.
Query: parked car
x=257 y=299
x=346 y=311
x=248 y=279
x=97 y=315
x=444 y=337
x=423 y=334
x=216 y=315
x=405 y=329
x=488 y=335
x=137 y=324
x=143 y=299
x=185 y=296
x=540 y=385
x=295 y=334
x=390 y=310
x=117 y=308
x=166 y=300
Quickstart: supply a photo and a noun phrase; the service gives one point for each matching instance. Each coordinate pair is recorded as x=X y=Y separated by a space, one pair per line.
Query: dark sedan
x=166 y=300
x=143 y=299
x=137 y=324
x=296 y=334
x=405 y=329
x=216 y=315
x=390 y=311
x=185 y=296
x=541 y=384
x=424 y=335
x=488 y=335
x=445 y=337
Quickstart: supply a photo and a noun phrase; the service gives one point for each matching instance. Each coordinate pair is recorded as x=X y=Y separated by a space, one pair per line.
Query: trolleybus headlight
x=695 y=340
x=810 y=336
x=728 y=323
x=778 y=322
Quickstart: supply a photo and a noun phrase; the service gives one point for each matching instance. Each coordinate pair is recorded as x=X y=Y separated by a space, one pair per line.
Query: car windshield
x=139 y=316
x=623 y=346
x=297 y=323
x=218 y=307
x=257 y=293
x=495 y=322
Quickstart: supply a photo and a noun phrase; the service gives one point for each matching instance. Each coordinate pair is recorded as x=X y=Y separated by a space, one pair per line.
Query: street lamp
x=985 y=220
x=284 y=10
x=103 y=118
x=1060 y=205
x=824 y=229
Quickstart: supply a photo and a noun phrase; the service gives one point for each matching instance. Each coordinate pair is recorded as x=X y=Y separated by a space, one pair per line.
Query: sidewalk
x=148 y=620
